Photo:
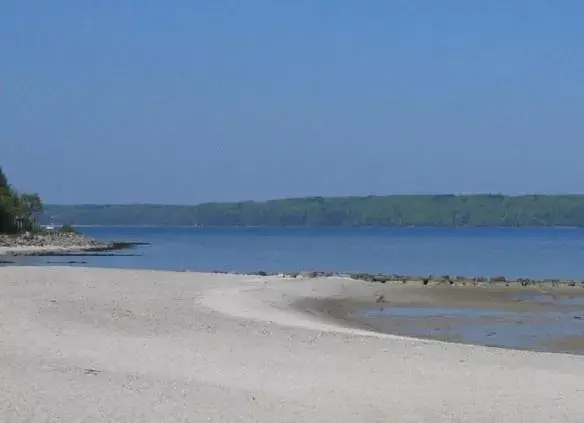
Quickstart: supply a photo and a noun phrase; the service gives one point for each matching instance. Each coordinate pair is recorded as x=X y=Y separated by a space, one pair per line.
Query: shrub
x=498 y=279
x=68 y=229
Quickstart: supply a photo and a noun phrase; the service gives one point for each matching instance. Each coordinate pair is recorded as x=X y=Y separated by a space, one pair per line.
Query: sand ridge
x=126 y=345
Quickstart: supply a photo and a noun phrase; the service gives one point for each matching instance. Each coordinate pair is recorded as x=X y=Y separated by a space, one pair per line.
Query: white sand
x=97 y=345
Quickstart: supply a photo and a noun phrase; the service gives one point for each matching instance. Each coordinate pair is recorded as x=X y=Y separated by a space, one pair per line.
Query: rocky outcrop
x=50 y=242
x=48 y=239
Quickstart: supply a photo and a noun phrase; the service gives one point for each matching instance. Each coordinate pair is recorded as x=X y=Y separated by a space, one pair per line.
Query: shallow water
x=557 y=327
x=413 y=312
x=550 y=299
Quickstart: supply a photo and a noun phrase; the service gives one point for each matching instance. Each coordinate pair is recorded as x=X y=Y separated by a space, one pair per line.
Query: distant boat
x=51 y=226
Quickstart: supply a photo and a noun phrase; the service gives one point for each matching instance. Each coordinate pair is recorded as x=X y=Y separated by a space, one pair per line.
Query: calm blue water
x=537 y=253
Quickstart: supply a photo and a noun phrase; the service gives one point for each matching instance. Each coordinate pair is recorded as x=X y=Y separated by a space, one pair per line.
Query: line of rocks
x=425 y=280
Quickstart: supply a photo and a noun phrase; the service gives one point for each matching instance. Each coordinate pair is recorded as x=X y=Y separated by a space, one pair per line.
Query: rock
x=57 y=240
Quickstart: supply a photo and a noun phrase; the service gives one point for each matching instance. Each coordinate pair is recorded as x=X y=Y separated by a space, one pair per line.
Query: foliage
x=402 y=210
x=18 y=212
x=68 y=229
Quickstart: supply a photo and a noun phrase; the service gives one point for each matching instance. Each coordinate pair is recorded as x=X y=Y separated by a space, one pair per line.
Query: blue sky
x=190 y=101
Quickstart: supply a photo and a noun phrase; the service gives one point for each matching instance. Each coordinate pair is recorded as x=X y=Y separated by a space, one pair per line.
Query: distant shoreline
x=444 y=211
x=317 y=227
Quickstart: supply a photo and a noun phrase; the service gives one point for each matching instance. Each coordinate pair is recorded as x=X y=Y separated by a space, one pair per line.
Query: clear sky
x=187 y=101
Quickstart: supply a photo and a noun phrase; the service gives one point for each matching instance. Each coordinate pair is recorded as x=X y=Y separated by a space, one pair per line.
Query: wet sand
x=99 y=345
x=542 y=318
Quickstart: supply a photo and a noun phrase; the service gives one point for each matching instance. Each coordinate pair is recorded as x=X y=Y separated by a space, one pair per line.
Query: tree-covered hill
x=398 y=210
x=17 y=210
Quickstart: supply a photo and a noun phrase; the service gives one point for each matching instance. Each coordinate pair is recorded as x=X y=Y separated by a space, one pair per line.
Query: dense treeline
x=17 y=211
x=402 y=210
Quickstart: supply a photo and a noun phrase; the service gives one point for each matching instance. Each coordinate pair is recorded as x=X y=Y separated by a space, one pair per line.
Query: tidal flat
x=545 y=317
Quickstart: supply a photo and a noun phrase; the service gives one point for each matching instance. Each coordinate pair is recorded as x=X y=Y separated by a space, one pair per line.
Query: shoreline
x=141 y=345
x=453 y=281
x=44 y=250
x=375 y=278
x=57 y=244
x=53 y=250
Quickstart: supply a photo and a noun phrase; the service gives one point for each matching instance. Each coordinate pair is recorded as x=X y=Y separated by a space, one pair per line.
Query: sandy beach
x=99 y=345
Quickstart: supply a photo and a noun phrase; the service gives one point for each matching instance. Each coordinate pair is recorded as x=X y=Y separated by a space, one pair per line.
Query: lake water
x=537 y=253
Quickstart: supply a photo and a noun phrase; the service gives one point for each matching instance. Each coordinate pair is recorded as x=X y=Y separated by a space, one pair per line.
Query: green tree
x=399 y=210
x=17 y=211
x=30 y=206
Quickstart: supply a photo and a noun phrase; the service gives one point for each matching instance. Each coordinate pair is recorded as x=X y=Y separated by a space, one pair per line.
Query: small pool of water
x=433 y=312
x=546 y=330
